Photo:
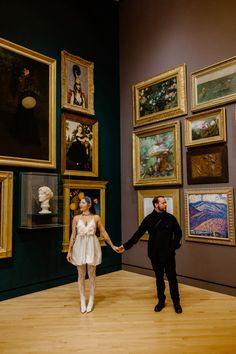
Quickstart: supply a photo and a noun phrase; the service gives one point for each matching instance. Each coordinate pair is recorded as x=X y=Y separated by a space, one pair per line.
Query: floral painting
x=158 y=97
x=157 y=155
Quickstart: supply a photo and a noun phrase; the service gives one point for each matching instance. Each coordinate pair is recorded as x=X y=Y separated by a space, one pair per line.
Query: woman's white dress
x=86 y=249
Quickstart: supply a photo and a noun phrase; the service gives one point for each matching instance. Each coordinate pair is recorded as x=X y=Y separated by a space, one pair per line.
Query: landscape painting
x=209 y=216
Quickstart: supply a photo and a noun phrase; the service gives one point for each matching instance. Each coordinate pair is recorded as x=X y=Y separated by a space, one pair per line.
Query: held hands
x=119 y=249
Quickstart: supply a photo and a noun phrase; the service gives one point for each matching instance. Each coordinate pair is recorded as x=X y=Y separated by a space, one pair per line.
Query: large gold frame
x=213 y=115
x=211 y=221
x=179 y=74
x=214 y=85
x=65 y=170
x=39 y=162
x=151 y=193
x=87 y=82
x=80 y=185
x=173 y=127
x=6 y=210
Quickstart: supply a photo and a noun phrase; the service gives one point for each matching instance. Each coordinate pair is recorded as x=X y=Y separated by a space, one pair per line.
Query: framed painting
x=77 y=83
x=161 y=97
x=157 y=155
x=79 y=145
x=214 y=85
x=205 y=128
x=73 y=192
x=145 y=205
x=209 y=215
x=27 y=107
x=208 y=164
x=6 y=211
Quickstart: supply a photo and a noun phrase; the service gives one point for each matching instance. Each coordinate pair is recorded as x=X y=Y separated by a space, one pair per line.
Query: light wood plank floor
x=123 y=320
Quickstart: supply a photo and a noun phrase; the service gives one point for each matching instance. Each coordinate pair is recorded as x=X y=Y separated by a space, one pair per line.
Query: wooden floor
x=123 y=320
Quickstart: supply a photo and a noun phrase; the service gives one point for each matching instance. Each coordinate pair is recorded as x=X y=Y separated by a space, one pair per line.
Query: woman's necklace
x=86 y=221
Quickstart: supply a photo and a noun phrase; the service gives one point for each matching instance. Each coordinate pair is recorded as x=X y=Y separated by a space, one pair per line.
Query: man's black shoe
x=159 y=306
x=178 y=308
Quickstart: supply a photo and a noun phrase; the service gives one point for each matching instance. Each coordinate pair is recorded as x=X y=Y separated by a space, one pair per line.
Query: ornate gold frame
x=83 y=121
x=207 y=117
x=178 y=74
x=81 y=186
x=176 y=178
x=151 y=193
x=87 y=82
x=206 y=197
x=22 y=56
x=214 y=85
x=6 y=210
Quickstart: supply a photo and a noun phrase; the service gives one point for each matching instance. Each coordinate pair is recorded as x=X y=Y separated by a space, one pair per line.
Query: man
x=164 y=238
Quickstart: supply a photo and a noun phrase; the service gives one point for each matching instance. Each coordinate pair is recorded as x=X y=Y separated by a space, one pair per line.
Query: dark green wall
x=88 y=29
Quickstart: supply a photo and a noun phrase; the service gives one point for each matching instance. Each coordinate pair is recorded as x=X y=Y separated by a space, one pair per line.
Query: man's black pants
x=167 y=267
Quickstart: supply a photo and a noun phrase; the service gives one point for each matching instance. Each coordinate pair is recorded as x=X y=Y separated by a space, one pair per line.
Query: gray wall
x=155 y=36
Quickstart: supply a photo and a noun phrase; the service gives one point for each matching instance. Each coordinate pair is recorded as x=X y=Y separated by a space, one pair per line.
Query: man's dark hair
x=156 y=200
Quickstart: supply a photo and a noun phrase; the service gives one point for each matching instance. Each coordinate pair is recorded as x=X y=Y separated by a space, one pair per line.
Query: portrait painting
x=27 y=107
x=160 y=97
x=157 y=155
x=208 y=164
x=79 y=145
x=74 y=191
x=205 y=128
x=209 y=216
x=77 y=83
x=145 y=205
x=214 y=85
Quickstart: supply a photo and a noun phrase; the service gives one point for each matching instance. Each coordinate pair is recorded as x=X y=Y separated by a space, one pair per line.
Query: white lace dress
x=86 y=249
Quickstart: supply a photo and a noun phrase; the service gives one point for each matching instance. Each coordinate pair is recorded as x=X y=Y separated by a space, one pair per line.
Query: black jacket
x=164 y=235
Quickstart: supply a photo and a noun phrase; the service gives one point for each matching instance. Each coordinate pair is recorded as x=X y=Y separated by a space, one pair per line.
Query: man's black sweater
x=164 y=235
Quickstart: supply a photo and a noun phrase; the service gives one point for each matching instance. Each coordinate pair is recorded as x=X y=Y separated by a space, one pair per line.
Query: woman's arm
x=103 y=233
x=72 y=238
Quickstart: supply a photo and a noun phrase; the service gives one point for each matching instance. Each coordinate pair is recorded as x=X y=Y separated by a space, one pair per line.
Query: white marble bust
x=45 y=194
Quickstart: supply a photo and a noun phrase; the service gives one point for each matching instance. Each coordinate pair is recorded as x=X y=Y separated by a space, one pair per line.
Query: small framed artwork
x=74 y=191
x=205 y=128
x=27 y=107
x=161 y=97
x=208 y=164
x=209 y=215
x=214 y=85
x=79 y=145
x=77 y=83
x=41 y=200
x=6 y=211
x=145 y=205
x=157 y=155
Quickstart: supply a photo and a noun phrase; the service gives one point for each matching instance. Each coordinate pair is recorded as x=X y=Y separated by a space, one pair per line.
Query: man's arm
x=136 y=236
x=177 y=234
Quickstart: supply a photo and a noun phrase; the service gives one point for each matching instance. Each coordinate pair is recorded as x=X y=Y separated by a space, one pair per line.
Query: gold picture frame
x=145 y=206
x=157 y=155
x=205 y=128
x=79 y=145
x=209 y=216
x=73 y=192
x=160 y=97
x=77 y=83
x=6 y=211
x=214 y=85
x=27 y=107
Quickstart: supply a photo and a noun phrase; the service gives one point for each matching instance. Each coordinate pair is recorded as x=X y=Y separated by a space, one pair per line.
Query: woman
x=84 y=248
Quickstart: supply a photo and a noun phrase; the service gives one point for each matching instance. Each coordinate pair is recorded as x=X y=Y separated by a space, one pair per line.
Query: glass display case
x=41 y=200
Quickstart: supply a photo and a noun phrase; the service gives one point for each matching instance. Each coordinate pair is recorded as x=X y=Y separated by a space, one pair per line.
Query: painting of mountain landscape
x=209 y=216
